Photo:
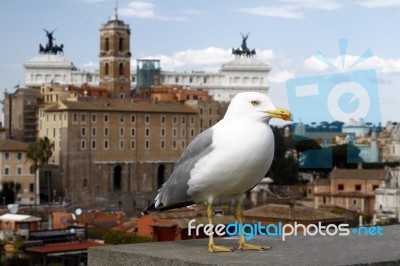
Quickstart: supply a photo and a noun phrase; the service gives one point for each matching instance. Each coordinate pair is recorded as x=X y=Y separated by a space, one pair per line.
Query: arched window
x=107 y=44
x=121 y=44
x=121 y=69
x=106 y=69
x=117 y=178
x=160 y=175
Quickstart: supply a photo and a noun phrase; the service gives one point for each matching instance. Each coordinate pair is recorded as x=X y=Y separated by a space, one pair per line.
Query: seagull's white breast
x=243 y=152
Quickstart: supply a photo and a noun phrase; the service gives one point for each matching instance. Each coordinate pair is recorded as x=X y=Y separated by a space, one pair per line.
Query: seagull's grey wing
x=174 y=191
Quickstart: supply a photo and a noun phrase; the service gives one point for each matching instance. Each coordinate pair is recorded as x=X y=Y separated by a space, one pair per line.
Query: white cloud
x=281 y=76
x=210 y=58
x=316 y=4
x=382 y=65
x=293 y=9
x=90 y=65
x=378 y=3
x=289 y=11
x=144 y=10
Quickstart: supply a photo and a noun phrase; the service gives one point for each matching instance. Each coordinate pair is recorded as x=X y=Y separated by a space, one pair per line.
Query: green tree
x=39 y=154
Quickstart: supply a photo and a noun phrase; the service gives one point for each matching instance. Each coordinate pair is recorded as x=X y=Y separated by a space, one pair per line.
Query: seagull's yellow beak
x=281 y=114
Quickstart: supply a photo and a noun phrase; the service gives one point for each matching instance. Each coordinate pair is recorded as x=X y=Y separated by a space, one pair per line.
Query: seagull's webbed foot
x=215 y=249
x=246 y=246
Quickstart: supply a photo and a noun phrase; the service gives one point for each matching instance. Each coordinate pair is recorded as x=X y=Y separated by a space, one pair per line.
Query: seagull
x=224 y=161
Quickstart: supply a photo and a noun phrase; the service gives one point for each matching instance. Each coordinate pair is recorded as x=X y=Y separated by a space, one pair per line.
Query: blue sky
x=198 y=34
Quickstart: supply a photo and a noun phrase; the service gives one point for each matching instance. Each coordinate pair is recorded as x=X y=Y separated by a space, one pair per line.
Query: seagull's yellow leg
x=242 y=241
x=211 y=245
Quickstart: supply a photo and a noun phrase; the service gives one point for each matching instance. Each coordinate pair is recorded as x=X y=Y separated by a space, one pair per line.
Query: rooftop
x=373 y=174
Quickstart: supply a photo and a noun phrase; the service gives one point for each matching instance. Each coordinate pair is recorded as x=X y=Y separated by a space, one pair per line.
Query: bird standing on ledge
x=224 y=161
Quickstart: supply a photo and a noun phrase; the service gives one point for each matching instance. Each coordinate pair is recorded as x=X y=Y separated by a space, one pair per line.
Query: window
x=93 y=131
x=85 y=182
x=174 y=145
x=174 y=120
x=106 y=144
x=162 y=132
x=201 y=111
x=83 y=118
x=183 y=119
x=162 y=119
x=133 y=118
x=54 y=117
x=192 y=132
x=31 y=187
x=358 y=187
x=106 y=132
x=121 y=69
x=121 y=132
x=83 y=144
x=106 y=118
x=19 y=155
x=106 y=69
x=121 y=118
x=121 y=44
x=121 y=144
x=375 y=187
x=162 y=144
x=354 y=201
x=147 y=144
x=6 y=170
x=183 y=132
x=107 y=44
x=75 y=117
x=133 y=131
x=147 y=119
x=174 y=132
x=147 y=132
x=83 y=131
x=93 y=144
x=19 y=170
x=94 y=117
x=340 y=187
x=192 y=120
x=7 y=156
x=183 y=144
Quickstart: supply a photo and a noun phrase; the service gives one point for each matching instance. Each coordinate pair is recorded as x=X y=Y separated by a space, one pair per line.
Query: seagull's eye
x=255 y=103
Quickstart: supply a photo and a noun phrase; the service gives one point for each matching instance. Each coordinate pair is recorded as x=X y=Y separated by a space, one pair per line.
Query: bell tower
x=115 y=57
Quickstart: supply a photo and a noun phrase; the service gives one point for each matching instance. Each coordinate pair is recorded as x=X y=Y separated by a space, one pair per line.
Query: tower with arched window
x=115 y=57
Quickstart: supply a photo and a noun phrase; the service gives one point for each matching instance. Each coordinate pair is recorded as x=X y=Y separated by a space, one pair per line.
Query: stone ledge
x=299 y=250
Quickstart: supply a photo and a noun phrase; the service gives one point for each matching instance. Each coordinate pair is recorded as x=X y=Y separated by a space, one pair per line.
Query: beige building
x=115 y=153
x=15 y=168
x=353 y=189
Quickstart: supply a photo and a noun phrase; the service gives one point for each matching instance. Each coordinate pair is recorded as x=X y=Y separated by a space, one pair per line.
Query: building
x=112 y=153
x=12 y=225
x=359 y=128
x=387 y=203
x=15 y=168
x=352 y=189
x=19 y=109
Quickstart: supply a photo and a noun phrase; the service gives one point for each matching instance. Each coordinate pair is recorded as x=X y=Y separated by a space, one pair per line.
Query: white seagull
x=224 y=161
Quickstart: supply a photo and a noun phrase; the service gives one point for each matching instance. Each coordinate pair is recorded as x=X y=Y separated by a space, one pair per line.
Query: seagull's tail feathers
x=152 y=208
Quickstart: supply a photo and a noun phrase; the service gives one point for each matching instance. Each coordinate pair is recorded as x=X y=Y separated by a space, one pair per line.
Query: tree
x=39 y=154
x=9 y=191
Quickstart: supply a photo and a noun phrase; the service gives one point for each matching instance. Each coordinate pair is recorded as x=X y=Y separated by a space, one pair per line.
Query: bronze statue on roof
x=50 y=47
x=244 y=50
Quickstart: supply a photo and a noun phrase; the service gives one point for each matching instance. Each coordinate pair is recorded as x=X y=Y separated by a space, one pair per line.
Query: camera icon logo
x=339 y=96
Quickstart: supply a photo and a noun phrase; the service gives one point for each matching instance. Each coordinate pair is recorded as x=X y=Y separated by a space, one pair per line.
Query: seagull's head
x=256 y=106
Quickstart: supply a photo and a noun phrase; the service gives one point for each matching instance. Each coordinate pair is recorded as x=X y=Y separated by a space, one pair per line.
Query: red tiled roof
x=64 y=247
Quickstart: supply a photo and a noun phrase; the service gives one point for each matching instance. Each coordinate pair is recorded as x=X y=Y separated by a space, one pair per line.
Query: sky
x=191 y=35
